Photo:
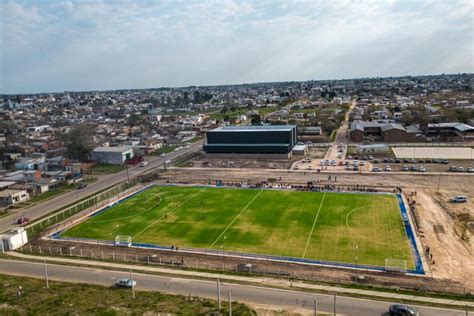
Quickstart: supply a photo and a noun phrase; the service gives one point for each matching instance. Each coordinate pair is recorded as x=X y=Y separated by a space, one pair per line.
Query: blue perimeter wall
x=411 y=238
x=408 y=230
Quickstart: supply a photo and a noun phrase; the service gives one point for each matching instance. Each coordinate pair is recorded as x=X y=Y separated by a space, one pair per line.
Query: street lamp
x=357 y=262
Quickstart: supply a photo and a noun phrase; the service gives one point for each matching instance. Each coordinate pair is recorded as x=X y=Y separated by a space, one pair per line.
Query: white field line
x=238 y=215
x=169 y=212
x=314 y=224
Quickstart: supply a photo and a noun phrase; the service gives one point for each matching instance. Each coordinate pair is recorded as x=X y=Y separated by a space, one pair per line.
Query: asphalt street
x=105 y=181
x=243 y=293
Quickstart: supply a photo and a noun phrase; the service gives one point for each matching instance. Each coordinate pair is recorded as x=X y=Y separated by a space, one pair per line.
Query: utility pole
x=335 y=296
x=131 y=279
x=46 y=274
x=315 y=307
x=230 y=302
x=218 y=294
x=1 y=243
x=128 y=177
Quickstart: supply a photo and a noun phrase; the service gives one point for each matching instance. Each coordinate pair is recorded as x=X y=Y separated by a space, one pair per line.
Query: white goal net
x=396 y=265
x=123 y=240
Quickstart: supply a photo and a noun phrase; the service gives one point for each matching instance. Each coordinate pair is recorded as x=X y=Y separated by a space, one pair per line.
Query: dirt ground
x=201 y=161
x=439 y=219
x=450 y=244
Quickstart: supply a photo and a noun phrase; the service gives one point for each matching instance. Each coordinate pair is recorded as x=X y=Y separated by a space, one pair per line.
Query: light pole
x=357 y=262
x=131 y=280
x=46 y=274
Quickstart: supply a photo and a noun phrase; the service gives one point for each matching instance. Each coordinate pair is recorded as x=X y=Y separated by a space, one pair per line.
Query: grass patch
x=312 y=225
x=165 y=149
x=80 y=299
x=106 y=169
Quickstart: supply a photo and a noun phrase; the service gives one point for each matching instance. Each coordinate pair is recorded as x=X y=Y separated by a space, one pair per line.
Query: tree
x=256 y=119
x=78 y=142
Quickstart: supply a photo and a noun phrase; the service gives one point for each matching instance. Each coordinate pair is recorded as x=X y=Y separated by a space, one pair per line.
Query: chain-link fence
x=90 y=203
x=224 y=262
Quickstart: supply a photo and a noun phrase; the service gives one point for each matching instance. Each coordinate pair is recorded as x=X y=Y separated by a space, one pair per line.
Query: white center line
x=314 y=224
x=238 y=215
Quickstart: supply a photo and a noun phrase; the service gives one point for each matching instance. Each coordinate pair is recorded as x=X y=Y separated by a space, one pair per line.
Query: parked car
x=387 y=168
x=398 y=161
x=453 y=168
x=459 y=199
x=422 y=169
x=125 y=282
x=356 y=168
x=321 y=163
x=405 y=168
x=470 y=169
x=413 y=168
x=445 y=161
x=347 y=167
x=413 y=161
x=375 y=161
x=309 y=168
x=371 y=157
x=376 y=169
x=82 y=186
x=162 y=154
x=402 y=310
x=460 y=169
x=362 y=163
x=143 y=163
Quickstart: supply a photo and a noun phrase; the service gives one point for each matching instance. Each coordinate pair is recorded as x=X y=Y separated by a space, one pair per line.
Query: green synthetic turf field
x=312 y=225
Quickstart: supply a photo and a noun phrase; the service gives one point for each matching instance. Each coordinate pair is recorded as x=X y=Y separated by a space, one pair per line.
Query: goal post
x=123 y=240
x=395 y=265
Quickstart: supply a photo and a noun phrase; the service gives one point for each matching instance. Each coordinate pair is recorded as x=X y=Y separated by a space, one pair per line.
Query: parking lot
x=378 y=164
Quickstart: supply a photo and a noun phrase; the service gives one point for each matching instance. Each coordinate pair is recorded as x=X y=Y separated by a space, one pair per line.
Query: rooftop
x=116 y=149
x=251 y=128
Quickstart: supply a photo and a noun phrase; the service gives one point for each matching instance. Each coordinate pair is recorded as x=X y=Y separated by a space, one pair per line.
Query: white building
x=112 y=155
x=12 y=197
x=14 y=239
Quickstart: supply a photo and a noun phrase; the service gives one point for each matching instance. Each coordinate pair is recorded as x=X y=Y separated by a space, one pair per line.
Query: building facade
x=112 y=155
x=252 y=140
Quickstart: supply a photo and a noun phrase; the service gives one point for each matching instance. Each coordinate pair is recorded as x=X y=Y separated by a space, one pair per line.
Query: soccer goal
x=396 y=265
x=123 y=240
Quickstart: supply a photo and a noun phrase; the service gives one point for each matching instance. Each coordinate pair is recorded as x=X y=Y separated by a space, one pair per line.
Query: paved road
x=105 y=181
x=286 y=299
x=341 y=136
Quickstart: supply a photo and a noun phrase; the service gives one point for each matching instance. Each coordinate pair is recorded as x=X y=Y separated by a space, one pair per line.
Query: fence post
x=102 y=254
x=39 y=248
x=81 y=252
x=60 y=251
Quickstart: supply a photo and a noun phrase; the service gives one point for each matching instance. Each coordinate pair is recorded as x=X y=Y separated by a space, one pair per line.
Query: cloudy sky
x=50 y=46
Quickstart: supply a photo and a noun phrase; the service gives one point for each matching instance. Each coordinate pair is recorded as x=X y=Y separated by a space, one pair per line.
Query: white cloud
x=102 y=45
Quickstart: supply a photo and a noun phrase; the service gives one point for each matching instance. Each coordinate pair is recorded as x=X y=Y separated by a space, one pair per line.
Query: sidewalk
x=262 y=281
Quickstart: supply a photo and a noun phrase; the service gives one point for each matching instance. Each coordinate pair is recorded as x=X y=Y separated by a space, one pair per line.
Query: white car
x=143 y=163
x=387 y=168
x=125 y=282
x=376 y=169
x=321 y=163
x=422 y=169
x=459 y=199
x=162 y=154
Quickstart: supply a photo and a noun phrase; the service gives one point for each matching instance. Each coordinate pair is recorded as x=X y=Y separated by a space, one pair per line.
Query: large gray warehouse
x=252 y=140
